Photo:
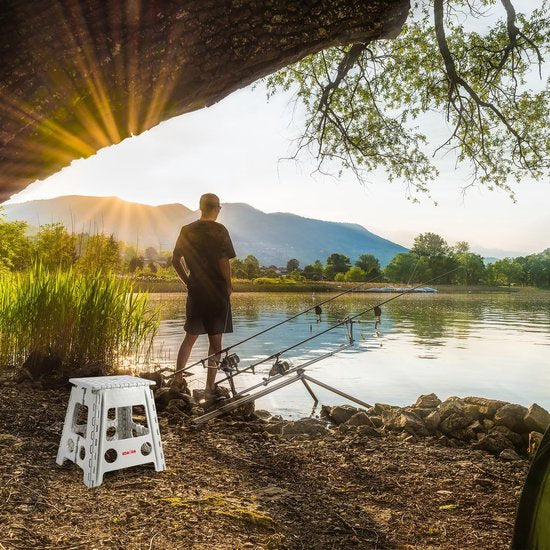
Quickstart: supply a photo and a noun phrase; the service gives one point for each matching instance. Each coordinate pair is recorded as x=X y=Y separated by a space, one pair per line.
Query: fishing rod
x=347 y=321
x=316 y=307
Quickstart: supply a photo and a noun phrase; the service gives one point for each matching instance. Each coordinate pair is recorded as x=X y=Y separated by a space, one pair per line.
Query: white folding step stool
x=104 y=431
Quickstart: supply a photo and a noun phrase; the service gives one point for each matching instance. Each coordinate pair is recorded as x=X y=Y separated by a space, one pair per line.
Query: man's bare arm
x=180 y=270
x=225 y=268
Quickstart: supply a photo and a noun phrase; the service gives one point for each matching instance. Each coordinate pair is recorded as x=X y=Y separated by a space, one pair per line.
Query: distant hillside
x=272 y=238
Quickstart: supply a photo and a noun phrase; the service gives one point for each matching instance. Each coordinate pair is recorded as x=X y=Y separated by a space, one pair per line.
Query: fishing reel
x=377 y=320
x=229 y=363
x=280 y=367
x=318 y=312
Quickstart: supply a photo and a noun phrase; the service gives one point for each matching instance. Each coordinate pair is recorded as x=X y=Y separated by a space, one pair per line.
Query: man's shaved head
x=209 y=202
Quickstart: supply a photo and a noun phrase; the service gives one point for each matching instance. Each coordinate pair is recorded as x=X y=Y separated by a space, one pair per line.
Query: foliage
x=15 y=248
x=295 y=275
x=336 y=263
x=366 y=103
x=55 y=247
x=430 y=244
x=314 y=272
x=355 y=274
x=472 y=268
x=136 y=263
x=407 y=267
x=249 y=268
x=508 y=271
x=274 y=281
x=370 y=265
x=101 y=253
x=81 y=318
x=292 y=265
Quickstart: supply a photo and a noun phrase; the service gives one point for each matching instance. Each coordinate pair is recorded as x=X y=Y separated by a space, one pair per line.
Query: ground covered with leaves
x=231 y=485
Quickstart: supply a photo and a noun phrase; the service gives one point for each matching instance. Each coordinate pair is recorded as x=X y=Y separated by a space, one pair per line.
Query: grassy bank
x=169 y=286
x=77 y=318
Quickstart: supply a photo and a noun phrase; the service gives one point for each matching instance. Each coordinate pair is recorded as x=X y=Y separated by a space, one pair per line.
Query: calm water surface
x=490 y=345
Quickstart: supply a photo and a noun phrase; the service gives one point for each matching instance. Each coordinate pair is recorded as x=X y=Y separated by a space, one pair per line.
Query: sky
x=236 y=150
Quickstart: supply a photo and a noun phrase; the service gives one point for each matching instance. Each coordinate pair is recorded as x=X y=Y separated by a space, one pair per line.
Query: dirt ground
x=230 y=485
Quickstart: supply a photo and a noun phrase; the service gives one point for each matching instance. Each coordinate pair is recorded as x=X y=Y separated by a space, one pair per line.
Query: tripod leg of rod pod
x=334 y=390
x=310 y=391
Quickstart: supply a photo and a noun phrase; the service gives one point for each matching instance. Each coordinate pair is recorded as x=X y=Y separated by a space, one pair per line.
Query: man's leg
x=214 y=347
x=184 y=353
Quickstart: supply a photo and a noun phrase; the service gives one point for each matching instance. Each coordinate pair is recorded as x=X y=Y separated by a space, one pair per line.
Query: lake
x=493 y=345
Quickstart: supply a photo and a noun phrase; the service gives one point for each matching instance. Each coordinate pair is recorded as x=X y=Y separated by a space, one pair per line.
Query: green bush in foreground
x=80 y=318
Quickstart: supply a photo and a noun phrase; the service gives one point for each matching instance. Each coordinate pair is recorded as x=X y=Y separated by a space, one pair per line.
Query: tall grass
x=80 y=318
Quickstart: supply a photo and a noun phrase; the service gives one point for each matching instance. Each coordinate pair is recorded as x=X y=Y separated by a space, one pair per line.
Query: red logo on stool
x=129 y=452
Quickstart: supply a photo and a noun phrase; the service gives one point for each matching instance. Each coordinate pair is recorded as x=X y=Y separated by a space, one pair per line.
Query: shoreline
x=233 y=484
x=161 y=287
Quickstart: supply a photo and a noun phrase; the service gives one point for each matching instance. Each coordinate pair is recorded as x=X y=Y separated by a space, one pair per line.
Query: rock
x=379 y=408
x=471 y=412
x=22 y=376
x=245 y=411
x=512 y=416
x=464 y=434
x=534 y=441
x=486 y=407
x=515 y=438
x=342 y=413
x=90 y=369
x=537 y=419
x=477 y=427
x=509 y=454
x=447 y=442
x=275 y=428
x=198 y=395
x=163 y=396
x=454 y=421
x=359 y=419
x=404 y=421
x=430 y=401
x=325 y=411
x=376 y=421
x=368 y=431
x=42 y=364
x=488 y=423
x=179 y=407
x=432 y=421
x=453 y=405
x=263 y=414
x=309 y=426
x=494 y=443
x=156 y=377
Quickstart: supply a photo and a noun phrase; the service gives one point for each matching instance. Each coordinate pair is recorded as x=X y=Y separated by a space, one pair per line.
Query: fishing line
x=345 y=321
x=316 y=307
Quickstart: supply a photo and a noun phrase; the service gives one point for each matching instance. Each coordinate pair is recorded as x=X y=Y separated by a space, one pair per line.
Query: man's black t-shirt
x=202 y=244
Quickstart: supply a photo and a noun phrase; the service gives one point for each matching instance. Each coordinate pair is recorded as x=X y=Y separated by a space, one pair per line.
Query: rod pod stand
x=283 y=379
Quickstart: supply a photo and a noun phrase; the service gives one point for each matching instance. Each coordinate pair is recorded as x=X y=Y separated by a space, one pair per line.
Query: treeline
x=54 y=247
x=430 y=257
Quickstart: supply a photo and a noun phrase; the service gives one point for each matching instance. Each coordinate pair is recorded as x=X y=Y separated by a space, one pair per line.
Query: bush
x=79 y=318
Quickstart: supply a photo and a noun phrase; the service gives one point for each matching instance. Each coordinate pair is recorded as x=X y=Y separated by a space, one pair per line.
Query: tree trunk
x=76 y=76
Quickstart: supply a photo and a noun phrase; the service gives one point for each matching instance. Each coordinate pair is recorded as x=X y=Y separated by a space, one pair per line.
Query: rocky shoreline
x=506 y=430
x=382 y=478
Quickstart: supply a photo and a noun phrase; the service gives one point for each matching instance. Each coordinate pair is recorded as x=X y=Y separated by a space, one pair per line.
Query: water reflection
x=476 y=344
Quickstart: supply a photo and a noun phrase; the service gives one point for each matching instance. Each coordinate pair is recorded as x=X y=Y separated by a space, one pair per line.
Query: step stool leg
x=152 y=422
x=64 y=452
x=93 y=470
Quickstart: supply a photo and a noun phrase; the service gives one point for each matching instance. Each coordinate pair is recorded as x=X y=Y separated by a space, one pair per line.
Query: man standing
x=205 y=248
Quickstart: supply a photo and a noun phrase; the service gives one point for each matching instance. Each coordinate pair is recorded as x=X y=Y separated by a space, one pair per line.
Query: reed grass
x=80 y=318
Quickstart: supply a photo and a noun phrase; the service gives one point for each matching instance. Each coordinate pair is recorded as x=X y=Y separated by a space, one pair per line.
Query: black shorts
x=208 y=314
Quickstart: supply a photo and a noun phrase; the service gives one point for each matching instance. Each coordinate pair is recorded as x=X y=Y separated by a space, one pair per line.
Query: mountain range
x=272 y=238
